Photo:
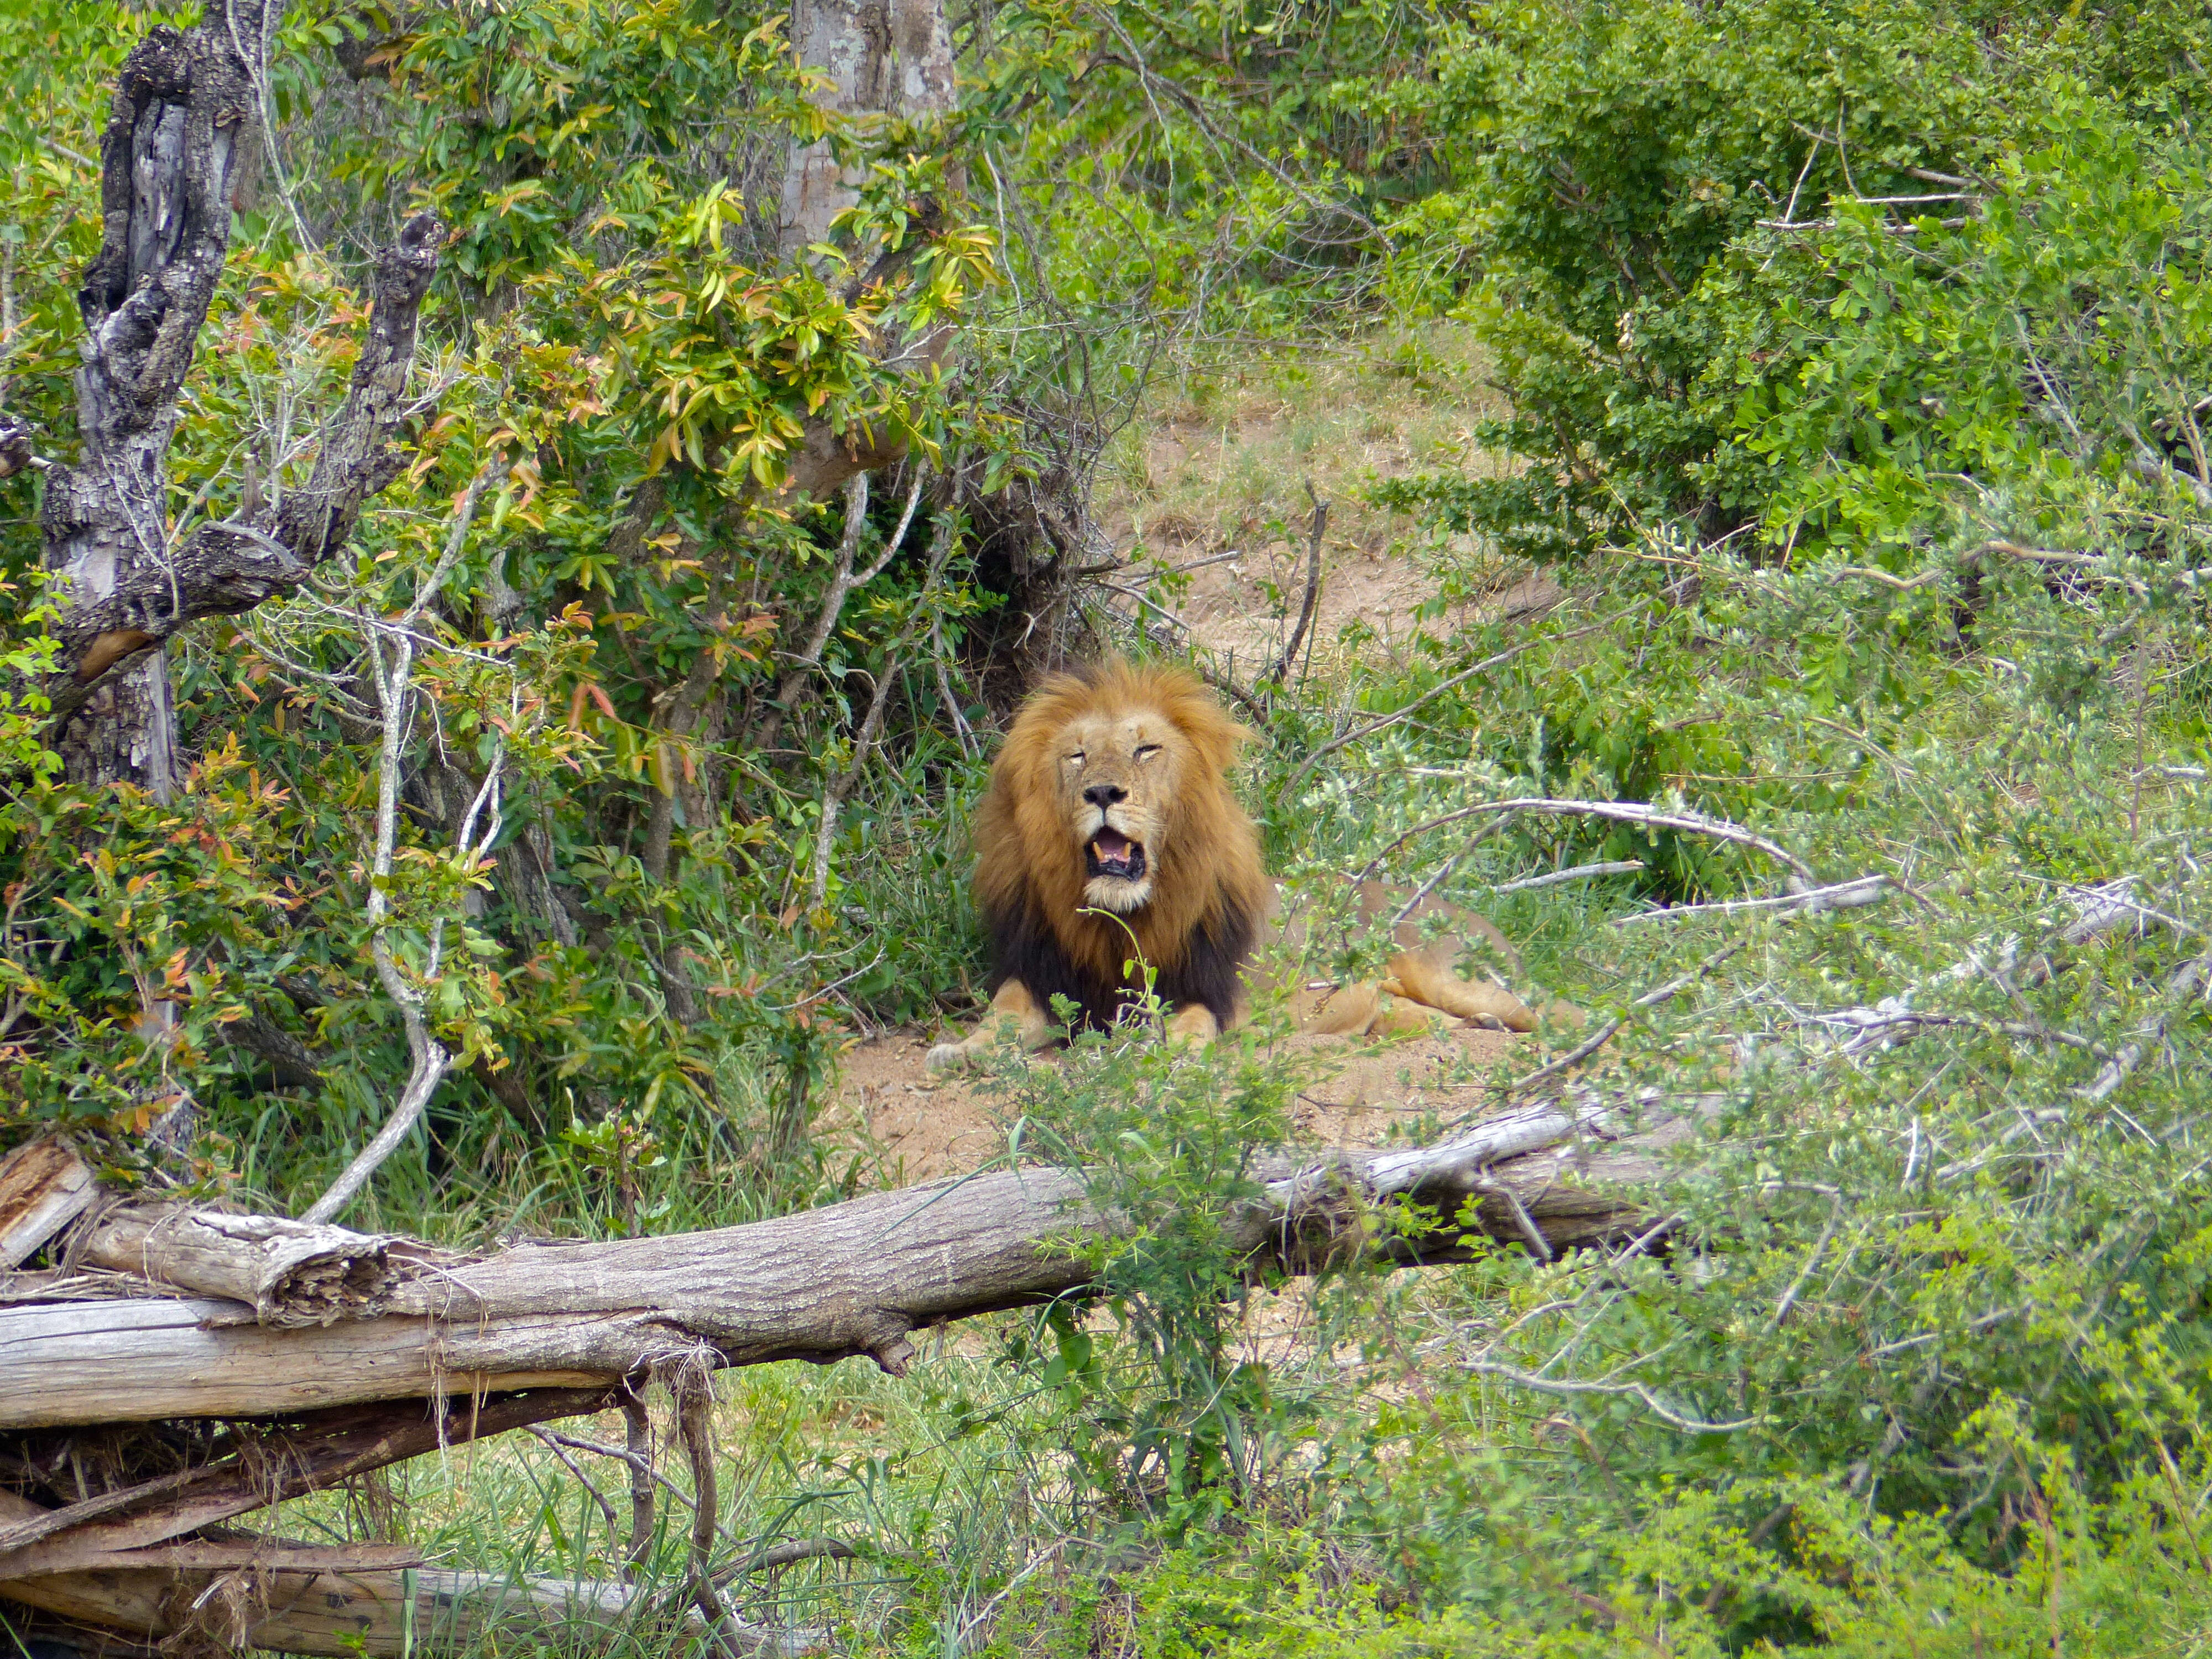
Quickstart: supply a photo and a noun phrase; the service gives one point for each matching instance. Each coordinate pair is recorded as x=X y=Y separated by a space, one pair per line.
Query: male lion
x=1109 y=835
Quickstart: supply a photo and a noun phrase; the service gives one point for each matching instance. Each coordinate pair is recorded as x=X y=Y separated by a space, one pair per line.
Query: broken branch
x=1621 y=811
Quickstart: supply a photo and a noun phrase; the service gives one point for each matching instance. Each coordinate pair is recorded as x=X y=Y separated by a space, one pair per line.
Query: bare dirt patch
x=920 y=1128
x=1209 y=498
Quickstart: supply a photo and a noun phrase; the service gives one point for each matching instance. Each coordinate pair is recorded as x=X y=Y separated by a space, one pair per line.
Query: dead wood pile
x=186 y=1366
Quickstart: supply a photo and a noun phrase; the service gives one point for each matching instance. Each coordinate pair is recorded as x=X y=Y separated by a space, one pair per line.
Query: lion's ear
x=1216 y=736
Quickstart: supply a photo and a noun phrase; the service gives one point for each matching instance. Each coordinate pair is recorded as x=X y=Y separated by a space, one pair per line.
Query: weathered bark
x=850 y=1279
x=881 y=58
x=136 y=1576
x=181 y=131
x=291 y=1274
x=290 y=1061
x=15 y=452
x=43 y=1187
x=331 y=1598
x=179 y=148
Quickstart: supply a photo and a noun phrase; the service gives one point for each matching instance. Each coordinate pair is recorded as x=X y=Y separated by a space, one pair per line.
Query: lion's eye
x=1145 y=748
x=1076 y=759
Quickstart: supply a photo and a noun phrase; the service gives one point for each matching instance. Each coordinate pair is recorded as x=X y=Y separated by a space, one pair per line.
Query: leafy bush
x=1631 y=180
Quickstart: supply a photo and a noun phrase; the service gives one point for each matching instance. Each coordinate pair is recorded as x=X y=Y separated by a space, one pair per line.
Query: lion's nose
x=1103 y=795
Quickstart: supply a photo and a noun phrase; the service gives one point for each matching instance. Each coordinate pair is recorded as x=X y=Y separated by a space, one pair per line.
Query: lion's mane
x=1210 y=891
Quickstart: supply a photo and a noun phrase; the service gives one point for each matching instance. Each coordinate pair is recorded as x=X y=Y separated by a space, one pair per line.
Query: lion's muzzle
x=1118 y=874
x=1113 y=855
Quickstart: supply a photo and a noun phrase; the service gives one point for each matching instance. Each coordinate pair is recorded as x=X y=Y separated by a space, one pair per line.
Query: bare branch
x=2185 y=988
x=1652 y=1403
x=1684 y=822
x=1853 y=895
x=427 y=1058
x=851 y=1278
x=1605 y=1033
x=842 y=581
x=1579 y=873
x=840 y=788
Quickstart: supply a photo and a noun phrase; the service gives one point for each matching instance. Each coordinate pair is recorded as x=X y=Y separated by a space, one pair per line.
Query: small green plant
x=1178 y=1429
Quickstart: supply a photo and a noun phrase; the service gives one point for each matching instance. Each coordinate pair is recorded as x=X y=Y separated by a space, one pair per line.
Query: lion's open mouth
x=1113 y=854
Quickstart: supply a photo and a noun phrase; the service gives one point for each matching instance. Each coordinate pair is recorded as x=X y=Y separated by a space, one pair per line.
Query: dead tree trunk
x=330 y=1354
x=180 y=148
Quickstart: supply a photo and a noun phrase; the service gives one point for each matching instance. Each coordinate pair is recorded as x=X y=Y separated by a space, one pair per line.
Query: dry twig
x=1657 y=1406
x=1281 y=670
x=1621 y=811
x=2181 y=990
x=1852 y=895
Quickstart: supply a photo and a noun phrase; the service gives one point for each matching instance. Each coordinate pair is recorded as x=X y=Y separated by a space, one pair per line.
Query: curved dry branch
x=1620 y=812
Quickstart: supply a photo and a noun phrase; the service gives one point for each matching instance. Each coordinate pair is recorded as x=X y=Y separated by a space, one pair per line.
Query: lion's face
x=1115 y=775
x=1112 y=795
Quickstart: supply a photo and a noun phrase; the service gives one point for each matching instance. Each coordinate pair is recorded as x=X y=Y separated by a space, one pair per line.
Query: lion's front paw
x=946 y=1057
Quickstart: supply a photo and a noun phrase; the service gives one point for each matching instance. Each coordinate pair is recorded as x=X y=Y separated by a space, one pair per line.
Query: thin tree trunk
x=881 y=58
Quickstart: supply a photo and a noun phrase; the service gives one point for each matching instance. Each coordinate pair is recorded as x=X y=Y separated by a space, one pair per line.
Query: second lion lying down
x=1109 y=835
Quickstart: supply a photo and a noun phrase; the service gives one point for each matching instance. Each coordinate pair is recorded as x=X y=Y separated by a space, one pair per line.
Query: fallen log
x=822 y=1286
x=331 y=1354
x=291 y=1274
x=853 y=1279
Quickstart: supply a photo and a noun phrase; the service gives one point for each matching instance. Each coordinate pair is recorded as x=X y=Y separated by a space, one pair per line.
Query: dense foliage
x=1857 y=361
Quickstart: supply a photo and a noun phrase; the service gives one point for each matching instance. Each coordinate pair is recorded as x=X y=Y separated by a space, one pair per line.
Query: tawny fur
x=1208 y=891
x=1210 y=854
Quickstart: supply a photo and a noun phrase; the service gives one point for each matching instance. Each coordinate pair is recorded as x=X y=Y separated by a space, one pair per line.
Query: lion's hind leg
x=1030 y=1026
x=1347 y=1011
x=1426 y=977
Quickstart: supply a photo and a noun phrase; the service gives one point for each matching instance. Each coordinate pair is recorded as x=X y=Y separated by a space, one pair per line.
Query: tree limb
x=227 y=569
x=853 y=1279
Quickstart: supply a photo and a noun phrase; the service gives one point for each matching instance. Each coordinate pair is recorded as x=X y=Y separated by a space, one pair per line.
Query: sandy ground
x=1218 y=496
x=1243 y=603
x=923 y=1127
